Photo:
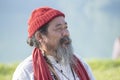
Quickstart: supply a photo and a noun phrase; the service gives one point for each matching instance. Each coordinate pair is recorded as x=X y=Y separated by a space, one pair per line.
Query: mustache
x=65 y=40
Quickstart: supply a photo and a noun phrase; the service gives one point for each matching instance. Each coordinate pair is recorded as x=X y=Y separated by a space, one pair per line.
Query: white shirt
x=66 y=70
x=24 y=71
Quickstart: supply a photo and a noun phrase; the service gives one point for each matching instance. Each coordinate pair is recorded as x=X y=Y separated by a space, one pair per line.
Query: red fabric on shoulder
x=41 y=71
x=80 y=69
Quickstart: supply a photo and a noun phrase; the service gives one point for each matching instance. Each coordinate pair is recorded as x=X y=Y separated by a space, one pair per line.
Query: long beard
x=64 y=52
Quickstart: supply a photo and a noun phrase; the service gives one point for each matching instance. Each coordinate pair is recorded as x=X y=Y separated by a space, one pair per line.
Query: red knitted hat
x=40 y=17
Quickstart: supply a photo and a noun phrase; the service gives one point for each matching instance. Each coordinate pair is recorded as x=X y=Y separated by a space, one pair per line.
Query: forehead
x=58 y=20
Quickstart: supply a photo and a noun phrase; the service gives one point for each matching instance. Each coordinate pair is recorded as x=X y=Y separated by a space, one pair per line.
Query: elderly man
x=52 y=57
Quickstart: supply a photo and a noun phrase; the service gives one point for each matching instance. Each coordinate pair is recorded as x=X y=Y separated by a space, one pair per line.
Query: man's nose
x=65 y=32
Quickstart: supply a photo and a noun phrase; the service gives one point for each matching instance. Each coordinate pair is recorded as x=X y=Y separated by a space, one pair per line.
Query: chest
x=65 y=72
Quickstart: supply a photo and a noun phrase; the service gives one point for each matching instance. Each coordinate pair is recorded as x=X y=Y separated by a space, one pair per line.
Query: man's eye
x=59 y=29
x=66 y=27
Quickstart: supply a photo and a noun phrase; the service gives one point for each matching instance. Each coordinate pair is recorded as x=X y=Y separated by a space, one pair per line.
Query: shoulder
x=86 y=66
x=24 y=70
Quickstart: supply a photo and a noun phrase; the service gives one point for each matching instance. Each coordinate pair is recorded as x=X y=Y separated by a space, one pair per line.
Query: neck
x=48 y=52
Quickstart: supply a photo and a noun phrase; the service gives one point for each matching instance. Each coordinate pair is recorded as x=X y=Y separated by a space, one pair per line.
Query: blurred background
x=93 y=24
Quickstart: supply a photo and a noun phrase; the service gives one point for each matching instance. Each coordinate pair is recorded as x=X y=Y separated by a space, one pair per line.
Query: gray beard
x=64 y=54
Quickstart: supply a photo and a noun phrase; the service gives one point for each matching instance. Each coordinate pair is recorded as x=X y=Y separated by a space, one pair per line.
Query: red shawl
x=41 y=70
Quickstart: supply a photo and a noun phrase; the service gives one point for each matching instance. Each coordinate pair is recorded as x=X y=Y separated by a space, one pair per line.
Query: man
x=52 y=57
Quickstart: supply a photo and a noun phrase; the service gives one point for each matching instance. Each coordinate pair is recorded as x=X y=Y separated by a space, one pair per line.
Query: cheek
x=54 y=38
x=55 y=41
x=57 y=38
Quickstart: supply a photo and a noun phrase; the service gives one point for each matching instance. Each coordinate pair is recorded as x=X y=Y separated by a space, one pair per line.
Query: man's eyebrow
x=61 y=24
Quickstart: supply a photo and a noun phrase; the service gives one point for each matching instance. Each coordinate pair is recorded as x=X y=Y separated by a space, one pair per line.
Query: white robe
x=24 y=71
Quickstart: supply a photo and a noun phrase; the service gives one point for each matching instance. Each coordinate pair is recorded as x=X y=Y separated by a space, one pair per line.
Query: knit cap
x=40 y=17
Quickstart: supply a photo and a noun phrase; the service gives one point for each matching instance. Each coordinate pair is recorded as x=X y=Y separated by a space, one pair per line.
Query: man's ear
x=38 y=36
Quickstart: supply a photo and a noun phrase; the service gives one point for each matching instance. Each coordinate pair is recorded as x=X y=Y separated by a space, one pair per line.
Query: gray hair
x=32 y=41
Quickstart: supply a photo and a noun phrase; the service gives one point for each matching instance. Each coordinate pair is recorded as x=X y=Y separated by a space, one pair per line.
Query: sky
x=93 y=24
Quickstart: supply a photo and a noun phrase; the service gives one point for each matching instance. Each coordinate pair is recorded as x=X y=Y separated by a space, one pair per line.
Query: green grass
x=6 y=71
x=105 y=69
x=102 y=69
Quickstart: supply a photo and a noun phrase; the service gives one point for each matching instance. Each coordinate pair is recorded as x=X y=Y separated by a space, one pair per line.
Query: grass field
x=102 y=69
x=106 y=69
